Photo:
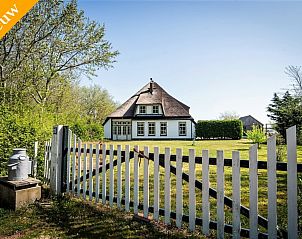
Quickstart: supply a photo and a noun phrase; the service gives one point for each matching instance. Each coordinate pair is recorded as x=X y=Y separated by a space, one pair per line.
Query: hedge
x=219 y=129
x=18 y=132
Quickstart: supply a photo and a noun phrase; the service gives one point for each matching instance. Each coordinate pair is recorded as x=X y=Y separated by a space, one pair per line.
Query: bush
x=219 y=129
x=88 y=131
x=18 y=131
x=256 y=135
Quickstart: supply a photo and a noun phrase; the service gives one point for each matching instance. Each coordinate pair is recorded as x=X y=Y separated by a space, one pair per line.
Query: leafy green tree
x=286 y=111
x=41 y=58
x=256 y=135
x=96 y=103
x=52 y=45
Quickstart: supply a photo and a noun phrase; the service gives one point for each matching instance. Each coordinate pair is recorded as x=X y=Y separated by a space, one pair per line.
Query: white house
x=150 y=114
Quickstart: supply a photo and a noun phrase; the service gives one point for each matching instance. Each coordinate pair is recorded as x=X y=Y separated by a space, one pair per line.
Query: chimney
x=151 y=86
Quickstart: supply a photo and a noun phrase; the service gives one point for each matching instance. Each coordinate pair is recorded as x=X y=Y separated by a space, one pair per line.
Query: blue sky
x=213 y=56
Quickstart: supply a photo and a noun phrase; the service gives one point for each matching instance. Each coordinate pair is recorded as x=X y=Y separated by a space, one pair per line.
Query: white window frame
x=138 y=125
x=163 y=124
x=154 y=128
x=155 y=109
x=142 y=109
x=181 y=131
x=114 y=130
x=121 y=127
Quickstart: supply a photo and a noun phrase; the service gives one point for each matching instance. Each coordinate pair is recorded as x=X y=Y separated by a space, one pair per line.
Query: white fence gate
x=82 y=170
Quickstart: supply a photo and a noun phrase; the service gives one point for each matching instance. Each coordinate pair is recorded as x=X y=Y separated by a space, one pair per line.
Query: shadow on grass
x=67 y=217
x=80 y=219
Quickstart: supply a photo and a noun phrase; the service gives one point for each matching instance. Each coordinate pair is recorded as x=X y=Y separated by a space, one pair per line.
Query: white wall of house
x=107 y=129
x=172 y=129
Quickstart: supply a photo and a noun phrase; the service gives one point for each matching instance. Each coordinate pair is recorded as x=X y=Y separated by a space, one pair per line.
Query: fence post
x=56 y=157
x=65 y=146
x=253 y=177
x=35 y=161
x=58 y=172
x=292 y=184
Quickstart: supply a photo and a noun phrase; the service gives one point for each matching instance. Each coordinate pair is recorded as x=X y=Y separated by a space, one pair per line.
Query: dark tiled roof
x=171 y=106
x=249 y=120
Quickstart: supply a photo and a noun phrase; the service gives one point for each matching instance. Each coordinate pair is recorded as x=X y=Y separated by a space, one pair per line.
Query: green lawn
x=212 y=145
x=228 y=146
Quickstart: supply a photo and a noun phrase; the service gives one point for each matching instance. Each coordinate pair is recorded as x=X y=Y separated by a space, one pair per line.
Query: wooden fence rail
x=87 y=165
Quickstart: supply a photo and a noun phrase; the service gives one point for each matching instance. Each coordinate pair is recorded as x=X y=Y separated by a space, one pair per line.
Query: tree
x=52 y=45
x=228 y=115
x=256 y=135
x=295 y=75
x=286 y=111
x=41 y=58
x=96 y=103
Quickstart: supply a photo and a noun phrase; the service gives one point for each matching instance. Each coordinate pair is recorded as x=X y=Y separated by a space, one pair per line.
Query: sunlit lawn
x=212 y=145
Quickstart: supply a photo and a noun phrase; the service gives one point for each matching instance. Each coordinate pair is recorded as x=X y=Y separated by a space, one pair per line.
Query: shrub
x=256 y=135
x=219 y=129
x=88 y=131
x=19 y=131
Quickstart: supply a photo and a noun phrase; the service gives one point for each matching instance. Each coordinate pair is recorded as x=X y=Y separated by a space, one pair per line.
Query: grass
x=67 y=217
x=212 y=145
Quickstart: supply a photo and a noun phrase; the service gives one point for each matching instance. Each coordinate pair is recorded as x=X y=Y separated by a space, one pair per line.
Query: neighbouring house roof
x=152 y=93
x=249 y=120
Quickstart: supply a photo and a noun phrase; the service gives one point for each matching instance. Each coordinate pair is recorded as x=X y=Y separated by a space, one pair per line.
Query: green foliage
x=286 y=111
x=41 y=58
x=219 y=129
x=17 y=131
x=256 y=135
x=95 y=103
x=49 y=48
x=281 y=148
x=88 y=132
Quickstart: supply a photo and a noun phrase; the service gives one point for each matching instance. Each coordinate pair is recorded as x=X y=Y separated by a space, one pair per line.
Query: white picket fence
x=91 y=167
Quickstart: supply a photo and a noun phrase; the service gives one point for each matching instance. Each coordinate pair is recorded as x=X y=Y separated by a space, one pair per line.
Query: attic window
x=155 y=109
x=142 y=109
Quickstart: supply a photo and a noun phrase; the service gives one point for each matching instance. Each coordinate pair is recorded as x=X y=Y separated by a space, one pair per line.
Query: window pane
x=163 y=128
x=142 y=109
x=155 y=109
x=151 y=128
x=140 y=128
x=124 y=130
x=182 y=129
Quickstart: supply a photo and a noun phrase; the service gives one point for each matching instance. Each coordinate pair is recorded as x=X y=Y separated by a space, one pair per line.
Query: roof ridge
x=184 y=106
x=170 y=105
